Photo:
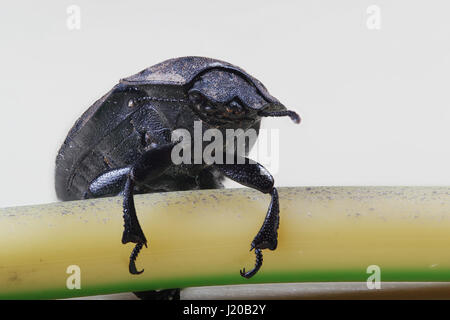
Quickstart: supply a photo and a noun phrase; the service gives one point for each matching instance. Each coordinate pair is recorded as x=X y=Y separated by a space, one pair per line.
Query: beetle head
x=229 y=98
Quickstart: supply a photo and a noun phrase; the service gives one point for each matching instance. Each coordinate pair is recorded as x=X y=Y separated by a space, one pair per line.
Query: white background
x=374 y=103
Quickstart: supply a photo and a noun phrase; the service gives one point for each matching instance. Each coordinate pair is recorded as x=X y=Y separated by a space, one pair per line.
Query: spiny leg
x=267 y=237
x=112 y=182
x=122 y=180
x=149 y=166
x=132 y=229
x=255 y=176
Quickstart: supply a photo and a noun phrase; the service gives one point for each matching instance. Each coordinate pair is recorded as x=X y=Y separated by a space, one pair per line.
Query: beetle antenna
x=291 y=114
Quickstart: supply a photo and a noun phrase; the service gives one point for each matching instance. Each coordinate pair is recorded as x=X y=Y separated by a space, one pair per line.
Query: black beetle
x=122 y=144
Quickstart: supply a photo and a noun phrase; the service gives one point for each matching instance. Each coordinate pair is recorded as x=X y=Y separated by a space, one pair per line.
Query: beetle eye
x=196 y=98
x=234 y=107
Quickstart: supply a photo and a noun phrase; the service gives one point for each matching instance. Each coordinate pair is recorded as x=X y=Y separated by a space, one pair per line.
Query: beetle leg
x=108 y=183
x=132 y=230
x=149 y=166
x=112 y=182
x=255 y=176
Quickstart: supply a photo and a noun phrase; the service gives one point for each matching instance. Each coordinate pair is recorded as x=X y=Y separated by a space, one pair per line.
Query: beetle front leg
x=255 y=176
x=110 y=183
x=132 y=229
x=149 y=166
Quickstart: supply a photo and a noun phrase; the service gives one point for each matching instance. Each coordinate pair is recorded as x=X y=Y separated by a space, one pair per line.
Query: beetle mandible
x=122 y=144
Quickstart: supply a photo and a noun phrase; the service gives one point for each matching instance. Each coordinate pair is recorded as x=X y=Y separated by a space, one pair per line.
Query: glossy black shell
x=114 y=131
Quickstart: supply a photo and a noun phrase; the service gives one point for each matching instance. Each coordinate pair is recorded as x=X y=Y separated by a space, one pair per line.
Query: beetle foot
x=258 y=264
x=134 y=254
x=267 y=237
x=133 y=233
